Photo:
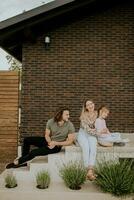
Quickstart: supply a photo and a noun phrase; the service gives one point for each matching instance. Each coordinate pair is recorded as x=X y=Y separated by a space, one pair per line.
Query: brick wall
x=92 y=57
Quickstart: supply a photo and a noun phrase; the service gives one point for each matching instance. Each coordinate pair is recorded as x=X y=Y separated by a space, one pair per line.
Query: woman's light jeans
x=88 y=144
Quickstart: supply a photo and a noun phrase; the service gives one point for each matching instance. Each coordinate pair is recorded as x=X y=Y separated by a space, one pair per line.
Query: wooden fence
x=9 y=97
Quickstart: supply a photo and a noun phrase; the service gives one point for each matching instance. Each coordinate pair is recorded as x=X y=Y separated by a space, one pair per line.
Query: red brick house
x=90 y=55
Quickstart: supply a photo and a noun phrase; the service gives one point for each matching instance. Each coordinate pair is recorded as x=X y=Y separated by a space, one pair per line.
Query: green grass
x=116 y=178
x=73 y=174
x=43 y=179
x=10 y=181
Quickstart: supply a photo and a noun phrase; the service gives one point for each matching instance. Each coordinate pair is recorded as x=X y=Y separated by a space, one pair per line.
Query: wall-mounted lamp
x=47 y=41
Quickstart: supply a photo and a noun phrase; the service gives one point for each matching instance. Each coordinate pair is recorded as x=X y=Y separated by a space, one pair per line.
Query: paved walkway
x=56 y=191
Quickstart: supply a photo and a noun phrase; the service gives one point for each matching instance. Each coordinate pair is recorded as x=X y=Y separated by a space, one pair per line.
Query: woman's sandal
x=90 y=175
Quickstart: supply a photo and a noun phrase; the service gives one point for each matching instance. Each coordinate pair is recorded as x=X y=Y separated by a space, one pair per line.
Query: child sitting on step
x=106 y=138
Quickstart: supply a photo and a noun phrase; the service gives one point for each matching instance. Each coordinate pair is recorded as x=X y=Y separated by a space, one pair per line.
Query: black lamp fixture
x=47 y=41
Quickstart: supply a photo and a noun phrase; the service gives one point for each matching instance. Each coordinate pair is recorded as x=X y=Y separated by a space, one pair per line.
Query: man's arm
x=70 y=139
x=47 y=135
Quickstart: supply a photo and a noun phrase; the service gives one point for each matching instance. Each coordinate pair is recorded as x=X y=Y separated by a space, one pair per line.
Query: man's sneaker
x=12 y=165
x=119 y=144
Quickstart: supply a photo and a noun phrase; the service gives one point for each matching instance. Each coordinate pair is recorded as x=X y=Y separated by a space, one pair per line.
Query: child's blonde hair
x=103 y=109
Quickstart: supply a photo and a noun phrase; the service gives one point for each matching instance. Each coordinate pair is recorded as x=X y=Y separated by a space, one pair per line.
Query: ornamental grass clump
x=73 y=174
x=116 y=178
x=10 y=181
x=43 y=179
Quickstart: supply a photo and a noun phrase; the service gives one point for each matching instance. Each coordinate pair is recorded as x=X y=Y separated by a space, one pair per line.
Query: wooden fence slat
x=7 y=140
x=8 y=100
x=9 y=113
x=8 y=108
x=7 y=97
x=10 y=148
x=9 y=92
x=9 y=128
x=8 y=89
x=11 y=81
x=7 y=132
x=9 y=78
x=9 y=73
x=5 y=116
x=5 y=84
x=3 y=136
x=6 y=104
x=11 y=120
x=10 y=143
x=8 y=124
x=6 y=146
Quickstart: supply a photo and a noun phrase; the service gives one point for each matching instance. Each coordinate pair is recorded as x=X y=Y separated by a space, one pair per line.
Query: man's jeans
x=42 y=149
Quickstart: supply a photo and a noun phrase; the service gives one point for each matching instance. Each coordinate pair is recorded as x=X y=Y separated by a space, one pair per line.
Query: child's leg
x=116 y=137
x=106 y=140
x=105 y=144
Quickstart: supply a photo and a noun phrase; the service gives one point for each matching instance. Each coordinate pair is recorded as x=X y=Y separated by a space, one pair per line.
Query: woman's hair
x=59 y=113
x=84 y=108
x=103 y=109
x=84 y=105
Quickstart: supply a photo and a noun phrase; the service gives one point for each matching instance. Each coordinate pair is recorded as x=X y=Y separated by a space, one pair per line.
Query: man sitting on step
x=59 y=132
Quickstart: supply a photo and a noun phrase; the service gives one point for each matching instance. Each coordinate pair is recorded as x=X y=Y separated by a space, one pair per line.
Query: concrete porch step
x=53 y=162
x=21 y=173
x=50 y=163
x=127 y=151
x=38 y=164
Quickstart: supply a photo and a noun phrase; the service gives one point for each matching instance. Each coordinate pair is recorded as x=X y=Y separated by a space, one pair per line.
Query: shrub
x=116 y=178
x=73 y=174
x=43 y=179
x=10 y=181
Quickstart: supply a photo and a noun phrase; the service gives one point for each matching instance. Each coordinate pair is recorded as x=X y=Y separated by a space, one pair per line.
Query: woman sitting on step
x=87 y=137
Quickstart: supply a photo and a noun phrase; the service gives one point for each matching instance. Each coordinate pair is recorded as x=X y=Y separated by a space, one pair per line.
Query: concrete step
x=128 y=135
x=22 y=173
x=29 y=172
x=50 y=163
x=109 y=153
x=38 y=164
x=53 y=162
